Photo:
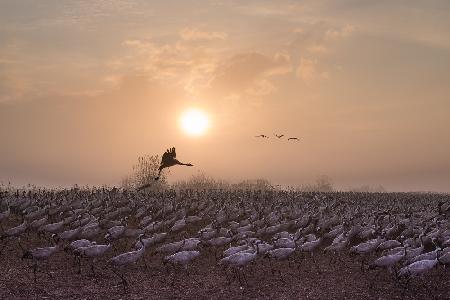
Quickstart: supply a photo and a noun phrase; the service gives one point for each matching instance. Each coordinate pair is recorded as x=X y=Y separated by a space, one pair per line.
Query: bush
x=203 y=182
x=200 y=181
x=369 y=189
x=323 y=184
x=144 y=172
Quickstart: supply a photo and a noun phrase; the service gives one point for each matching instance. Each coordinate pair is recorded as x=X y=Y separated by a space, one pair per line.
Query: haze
x=87 y=86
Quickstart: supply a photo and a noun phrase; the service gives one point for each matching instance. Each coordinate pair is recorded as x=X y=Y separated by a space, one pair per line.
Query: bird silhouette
x=279 y=136
x=262 y=136
x=293 y=139
x=168 y=160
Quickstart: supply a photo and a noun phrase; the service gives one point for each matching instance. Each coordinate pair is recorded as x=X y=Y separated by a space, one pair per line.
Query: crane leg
x=34 y=272
x=227 y=277
x=173 y=278
x=124 y=282
x=79 y=265
x=245 y=278
x=145 y=263
x=92 y=269
x=298 y=263
x=239 y=277
x=122 y=278
x=3 y=246
x=235 y=274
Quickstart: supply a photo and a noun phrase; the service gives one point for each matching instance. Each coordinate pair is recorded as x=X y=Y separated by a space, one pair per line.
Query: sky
x=88 y=86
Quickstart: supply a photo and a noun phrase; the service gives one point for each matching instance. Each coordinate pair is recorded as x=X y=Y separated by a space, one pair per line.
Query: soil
x=297 y=278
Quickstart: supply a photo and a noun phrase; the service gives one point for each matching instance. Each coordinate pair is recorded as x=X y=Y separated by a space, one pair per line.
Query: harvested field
x=300 y=276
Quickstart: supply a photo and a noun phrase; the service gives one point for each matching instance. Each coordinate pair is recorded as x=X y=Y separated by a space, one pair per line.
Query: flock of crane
x=278 y=136
x=405 y=235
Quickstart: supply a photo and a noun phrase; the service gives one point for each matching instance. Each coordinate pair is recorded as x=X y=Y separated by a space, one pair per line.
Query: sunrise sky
x=87 y=86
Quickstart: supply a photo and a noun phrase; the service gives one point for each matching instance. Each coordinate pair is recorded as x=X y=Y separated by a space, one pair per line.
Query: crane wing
x=168 y=156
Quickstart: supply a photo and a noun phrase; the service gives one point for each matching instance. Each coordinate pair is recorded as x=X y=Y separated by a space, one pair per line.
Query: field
x=328 y=245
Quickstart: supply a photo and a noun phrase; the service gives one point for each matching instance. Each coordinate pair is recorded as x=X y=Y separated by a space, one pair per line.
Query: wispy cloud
x=308 y=71
x=249 y=74
x=195 y=34
x=343 y=32
x=13 y=88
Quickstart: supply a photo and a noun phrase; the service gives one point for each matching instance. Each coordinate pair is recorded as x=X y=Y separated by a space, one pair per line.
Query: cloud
x=194 y=34
x=177 y=63
x=317 y=49
x=13 y=87
x=314 y=41
x=320 y=36
x=201 y=69
x=190 y=60
x=266 y=9
x=308 y=70
x=82 y=13
x=204 y=70
x=343 y=32
x=249 y=73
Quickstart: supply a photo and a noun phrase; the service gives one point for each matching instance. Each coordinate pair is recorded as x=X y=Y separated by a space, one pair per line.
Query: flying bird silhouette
x=168 y=160
x=279 y=136
x=262 y=136
x=293 y=139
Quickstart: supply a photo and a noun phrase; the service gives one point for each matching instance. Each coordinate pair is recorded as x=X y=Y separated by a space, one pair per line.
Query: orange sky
x=87 y=86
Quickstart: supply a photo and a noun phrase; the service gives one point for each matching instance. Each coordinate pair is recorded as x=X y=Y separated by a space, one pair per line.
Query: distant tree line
x=202 y=182
x=146 y=169
x=369 y=189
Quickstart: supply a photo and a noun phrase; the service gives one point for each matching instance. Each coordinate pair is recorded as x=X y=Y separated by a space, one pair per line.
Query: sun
x=194 y=122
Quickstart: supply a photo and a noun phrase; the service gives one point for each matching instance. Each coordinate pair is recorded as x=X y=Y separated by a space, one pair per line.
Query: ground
x=204 y=279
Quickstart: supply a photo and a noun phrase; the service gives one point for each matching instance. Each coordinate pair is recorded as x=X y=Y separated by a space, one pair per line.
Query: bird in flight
x=168 y=160
x=293 y=139
x=262 y=136
x=279 y=136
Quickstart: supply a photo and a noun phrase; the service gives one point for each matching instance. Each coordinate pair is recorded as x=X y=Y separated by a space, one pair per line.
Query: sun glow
x=194 y=122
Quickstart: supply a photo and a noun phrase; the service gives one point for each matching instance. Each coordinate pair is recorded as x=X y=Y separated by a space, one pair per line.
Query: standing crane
x=127 y=258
